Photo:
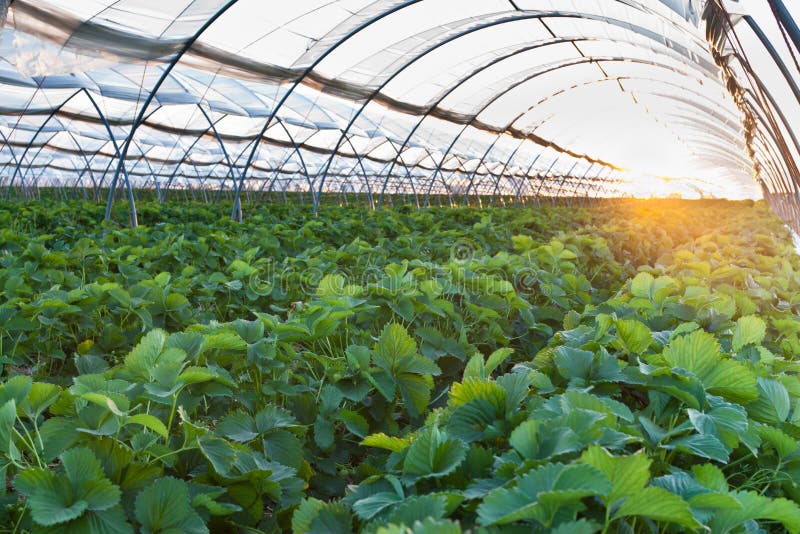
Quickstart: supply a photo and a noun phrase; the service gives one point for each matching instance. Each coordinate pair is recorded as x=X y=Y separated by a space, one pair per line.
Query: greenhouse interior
x=400 y=266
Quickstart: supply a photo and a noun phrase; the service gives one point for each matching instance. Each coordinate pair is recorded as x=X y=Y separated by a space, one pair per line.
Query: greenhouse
x=400 y=266
x=477 y=104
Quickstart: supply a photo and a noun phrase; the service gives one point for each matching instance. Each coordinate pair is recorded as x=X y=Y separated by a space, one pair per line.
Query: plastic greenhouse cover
x=364 y=92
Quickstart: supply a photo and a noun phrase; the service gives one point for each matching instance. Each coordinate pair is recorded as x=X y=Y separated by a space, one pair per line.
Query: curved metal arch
x=212 y=125
x=256 y=147
x=310 y=69
x=185 y=157
x=35 y=135
x=527 y=79
x=544 y=178
x=712 y=126
x=107 y=126
x=778 y=163
x=386 y=164
x=138 y=121
x=7 y=143
x=44 y=145
x=435 y=46
x=432 y=180
x=357 y=30
x=787 y=159
x=275 y=173
x=480 y=162
x=259 y=141
x=80 y=150
x=146 y=160
x=600 y=80
x=452 y=89
x=741 y=56
x=525 y=177
x=786 y=123
x=434 y=106
x=360 y=163
x=505 y=168
x=561 y=185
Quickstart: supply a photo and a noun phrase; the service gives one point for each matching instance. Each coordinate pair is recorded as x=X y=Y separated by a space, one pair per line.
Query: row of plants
x=534 y=378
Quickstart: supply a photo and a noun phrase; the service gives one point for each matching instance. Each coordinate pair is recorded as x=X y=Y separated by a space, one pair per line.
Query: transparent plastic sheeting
x=757 y=45
x=455 y=101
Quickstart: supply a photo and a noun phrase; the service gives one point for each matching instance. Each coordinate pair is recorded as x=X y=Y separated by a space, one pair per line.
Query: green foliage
x=581 y=370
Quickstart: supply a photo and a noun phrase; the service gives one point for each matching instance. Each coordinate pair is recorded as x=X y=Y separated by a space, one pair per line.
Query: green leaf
x=628 y=474
x=370 y=506
x=642 y=285
x=574 y=363
x=107 y=402
x=748 y=330
x=393 y=346
x=773 y=404
x=357 y=357
x=658 y=504
x=432 y=454
x=164 y=506
x=525 y=439
x=58 y=434
x=699 y=354
x=111 y=521
x=48 y=498
x=634 y=335
x=539 y=494
x=396 y=354
x=215 y=508
x=784 y=445
x=87 y=479
x=314 y=515
x=238 y=426
x=703 y=445
x=144 y=356
x=16 y=388
x=416 y=392
x=581 y=526
x=755 y=506
x=354 y=422
x=418 y=508
x=428 y=526
x=333 y=518
x=149 y=421
x=8 y=417
x=471 y=421
x=389 y=443
x=495 y=359
x=55 y=499
x=711 y=477
x=324 y=433
x=474 y=389
x=272 y=417
x=284 y=447
x=218 y=452
x=40 y=397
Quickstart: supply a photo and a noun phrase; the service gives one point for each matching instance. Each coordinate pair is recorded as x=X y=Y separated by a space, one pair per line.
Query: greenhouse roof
x=455 y=98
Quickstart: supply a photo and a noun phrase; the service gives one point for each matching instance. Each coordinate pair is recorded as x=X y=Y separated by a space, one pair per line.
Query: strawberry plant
x=630 y=368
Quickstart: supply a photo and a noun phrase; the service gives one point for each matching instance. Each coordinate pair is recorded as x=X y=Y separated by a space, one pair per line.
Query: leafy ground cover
x=627 y=368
